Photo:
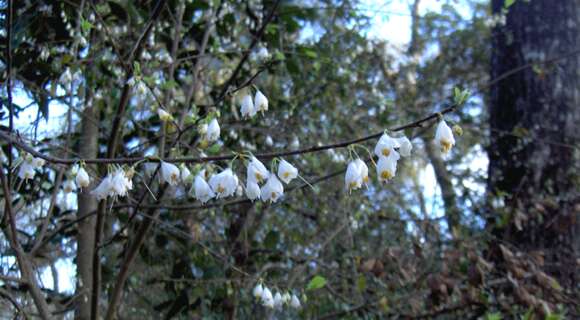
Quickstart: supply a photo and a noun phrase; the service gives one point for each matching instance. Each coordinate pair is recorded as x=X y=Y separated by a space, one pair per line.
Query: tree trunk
x=534 y=116
x=87 y=204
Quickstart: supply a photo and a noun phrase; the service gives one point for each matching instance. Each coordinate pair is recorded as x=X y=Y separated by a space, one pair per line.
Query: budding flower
x=82 y=178
x=405 y=146
x=387 y=166
x=295 y=302
x=286 y=171
x=353 y=178
x=202 y=191
x=257 y=171
x=272 y=190
x=170 y=173
x=260 y=102
x=213 y=131
x=385 y=146
x=252 y=190
x=444 y=137
x=164 y=115
x=224 y=184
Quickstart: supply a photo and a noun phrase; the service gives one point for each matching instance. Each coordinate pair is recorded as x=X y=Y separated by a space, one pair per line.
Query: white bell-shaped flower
x=164 y=115
x=120 y=183
x=364 y=170
x=387 y=166
x=185 y=174
x=444 y=137
x=286 y=298
x=260 y=101
x=353 y=178
x=278 y=301
x=295 y=302
x=104 y=189
x=224 y=184
x=82 y=178
x=252 y=190
x=170 y=173
x=286 y=171
x=26 y=171
x=405 y=146
x=68 y=186
x=267 y=298
x=213 y=131
x=202 y=190
x=257 y=171
x=385 y=146
x=247 y=108
x=258 y=291
x=272 y=190
x=38 y=162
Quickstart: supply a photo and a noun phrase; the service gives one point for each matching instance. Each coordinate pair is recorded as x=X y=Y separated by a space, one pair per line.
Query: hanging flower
x=364 y=170
x=385 y=146
x=185 y=174
x=164 y=115
x=387 y=166
x=26 y=171
x=405 y=146
x=38 y=162
x=286 y=171
x=248 y=109
x=170 y=173
x=224 y=184
x=252 y=190
x=353 y=178
x=295 y=302
x=213 y=131
x=82 y=178
x=260 y=101
x=272 y=190
x=286 y=298
x=278 y=301
x=258 y=291
x=257 y=171
x=202 y=190
x=104 y=189
x=267 y=298
x=120 y=183
x=444 y=137
x=68 y=186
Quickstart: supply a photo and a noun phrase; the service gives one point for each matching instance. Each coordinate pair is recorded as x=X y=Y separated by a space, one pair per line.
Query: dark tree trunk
x=535 y=122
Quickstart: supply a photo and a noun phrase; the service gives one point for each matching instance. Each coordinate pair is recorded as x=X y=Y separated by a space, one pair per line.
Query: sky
x=391 y=21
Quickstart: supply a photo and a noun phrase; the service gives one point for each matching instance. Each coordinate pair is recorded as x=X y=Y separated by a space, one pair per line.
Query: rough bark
x=534 y=116
x=88 y=148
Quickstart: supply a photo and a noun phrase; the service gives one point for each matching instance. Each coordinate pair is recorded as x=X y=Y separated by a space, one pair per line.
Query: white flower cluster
x=210 y=132
x=28 y=167
x=389 y=150
x=250 y=107
x=115 y=184
x=277 y=300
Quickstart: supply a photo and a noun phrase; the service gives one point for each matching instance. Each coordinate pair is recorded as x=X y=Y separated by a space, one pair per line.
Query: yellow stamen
x=386 y=152
x=353 y=185
x=259 y=177
x=366 y=179
x=386 y=175
x=286 y=174
x=220 y=189
x=445 y=146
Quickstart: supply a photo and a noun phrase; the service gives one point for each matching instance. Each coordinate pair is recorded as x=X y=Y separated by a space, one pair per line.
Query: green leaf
x=493 y=316
x=508 y=3
x=361 y=283
x=316 y=283
x=86 y=26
